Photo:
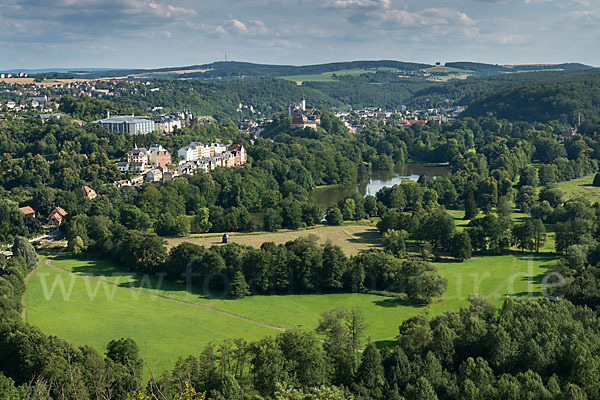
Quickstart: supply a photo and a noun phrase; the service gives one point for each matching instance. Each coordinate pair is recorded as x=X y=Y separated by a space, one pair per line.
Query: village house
x=239 y=152
x=159 y=156
x=138 y=167
x=89 y=192
x=28 y=211
x=46 y=117
x=121 y=183
x=167 y=123
x=136 y=180
x=154 y=175
x=137 y=155
x=123 y=166
x=56 y=217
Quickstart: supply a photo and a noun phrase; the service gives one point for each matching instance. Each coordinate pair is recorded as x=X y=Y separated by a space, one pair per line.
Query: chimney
x=108 y=114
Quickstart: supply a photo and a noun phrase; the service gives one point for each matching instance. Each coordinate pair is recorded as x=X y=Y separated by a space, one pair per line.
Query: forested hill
x=235 y=69
x=493 y=69
x=224 y=69
x=561 y=99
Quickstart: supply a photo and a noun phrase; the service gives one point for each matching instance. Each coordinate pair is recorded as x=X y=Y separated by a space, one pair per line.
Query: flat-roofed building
x=130 y=124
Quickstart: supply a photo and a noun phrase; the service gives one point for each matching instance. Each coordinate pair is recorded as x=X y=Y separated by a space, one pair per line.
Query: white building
x=123 y=166
x=190 y=152
x=167 y=123
x=129 y=124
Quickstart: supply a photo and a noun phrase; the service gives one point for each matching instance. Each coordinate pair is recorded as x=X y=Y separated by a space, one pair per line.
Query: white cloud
x=250 y=28
x=347 y=4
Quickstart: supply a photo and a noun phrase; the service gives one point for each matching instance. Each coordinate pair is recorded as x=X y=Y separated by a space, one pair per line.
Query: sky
x=161 y=33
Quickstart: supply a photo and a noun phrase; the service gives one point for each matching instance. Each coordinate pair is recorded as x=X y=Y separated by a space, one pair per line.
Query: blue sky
x=159 y=33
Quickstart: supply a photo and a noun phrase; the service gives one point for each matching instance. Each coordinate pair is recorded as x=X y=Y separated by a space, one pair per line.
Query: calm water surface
x=327 y=196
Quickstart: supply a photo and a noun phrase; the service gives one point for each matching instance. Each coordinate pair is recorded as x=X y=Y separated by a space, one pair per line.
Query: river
x=327 y=196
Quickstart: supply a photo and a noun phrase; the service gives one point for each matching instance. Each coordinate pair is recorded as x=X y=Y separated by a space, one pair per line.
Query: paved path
x=187 y=303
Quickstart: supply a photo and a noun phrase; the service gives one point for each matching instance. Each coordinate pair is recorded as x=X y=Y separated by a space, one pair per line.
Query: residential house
x=56 y=217
x=159 y=156
x=28 y=211
x=239 y=152
x=136 y=180
x=121 y=183
x=123 y=166
x=154 y=175
x=46 y=117
x=138 y=167
x=89 y=192
x=167 y=123
x=137 y=155
x=189 y=152
x=169 y=175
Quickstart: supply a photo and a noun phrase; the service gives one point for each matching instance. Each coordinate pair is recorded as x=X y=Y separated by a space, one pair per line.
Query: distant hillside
x=493 y=69
x=561 y=99
x=228 y=69
x=234 y=70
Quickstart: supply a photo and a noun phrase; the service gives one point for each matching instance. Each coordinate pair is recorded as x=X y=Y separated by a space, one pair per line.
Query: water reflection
x=327 y=196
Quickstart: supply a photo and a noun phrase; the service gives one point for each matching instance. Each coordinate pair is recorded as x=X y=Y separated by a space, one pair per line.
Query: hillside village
x=155 y=164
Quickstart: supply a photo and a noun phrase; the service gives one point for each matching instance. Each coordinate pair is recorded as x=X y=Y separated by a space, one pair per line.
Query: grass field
x=446 y=70
x=328 y=76
x=93 y=310
x=164 y=329
x=581 y=187
x=353 y=239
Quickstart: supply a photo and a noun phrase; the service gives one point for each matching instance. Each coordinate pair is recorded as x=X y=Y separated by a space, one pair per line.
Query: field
x=445 y=70
x=45 y=83
x=443 y=74
x=89 y=301
x=581 y=187
x=328 y=76
x=353 y=239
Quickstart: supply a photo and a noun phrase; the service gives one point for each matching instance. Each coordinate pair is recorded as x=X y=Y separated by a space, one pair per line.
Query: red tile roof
x=89 y=192
x=27 y=210
x=58 y=211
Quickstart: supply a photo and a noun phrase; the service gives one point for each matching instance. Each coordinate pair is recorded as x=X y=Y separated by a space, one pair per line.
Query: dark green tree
x=460 y=246
x=334 y=216
x=22 y=248
x=239 y=287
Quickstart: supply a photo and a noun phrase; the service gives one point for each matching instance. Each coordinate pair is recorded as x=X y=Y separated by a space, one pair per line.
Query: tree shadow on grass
x=163 y=286
x=543 y=257
x=368 y=236
x=104 y=268
x=397 y=302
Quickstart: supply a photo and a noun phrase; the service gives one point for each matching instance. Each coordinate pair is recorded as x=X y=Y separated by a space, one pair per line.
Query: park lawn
x=581 y=187
x=163 y=329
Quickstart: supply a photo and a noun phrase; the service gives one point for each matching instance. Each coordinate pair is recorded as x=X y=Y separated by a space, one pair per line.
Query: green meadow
x=581 y=187
x=168 y=321
x=328 y=76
